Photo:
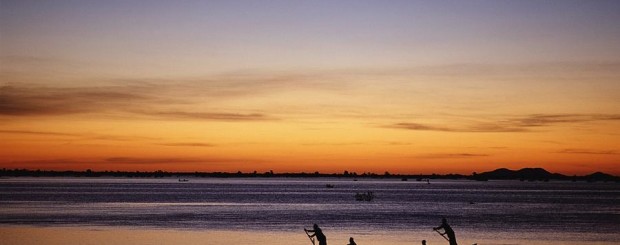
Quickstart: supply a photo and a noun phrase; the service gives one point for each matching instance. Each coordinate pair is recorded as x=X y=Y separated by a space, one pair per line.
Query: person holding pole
x=351 y=242
x=447 y=230
x=318 y=233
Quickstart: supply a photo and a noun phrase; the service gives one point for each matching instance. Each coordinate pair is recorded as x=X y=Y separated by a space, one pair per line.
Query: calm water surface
x=508 y=211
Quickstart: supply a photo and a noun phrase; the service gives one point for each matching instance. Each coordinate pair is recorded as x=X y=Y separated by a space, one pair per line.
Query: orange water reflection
x=27 y=235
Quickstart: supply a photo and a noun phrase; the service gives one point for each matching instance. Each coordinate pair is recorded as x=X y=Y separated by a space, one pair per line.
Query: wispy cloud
x=135 y=160
x=515 y=124
x=50 y=161
x=44 y=133
x=422 y=127
x=131 y=160
x=206 y=115
x=79 y=136
x=138 y=100
x=589 y=152
x=116 y=137
x=37 y=101
x=188 y=144
x=479 y=128
x=451 y=155
x=538 y=120
x=335 y=144
x=243 y=84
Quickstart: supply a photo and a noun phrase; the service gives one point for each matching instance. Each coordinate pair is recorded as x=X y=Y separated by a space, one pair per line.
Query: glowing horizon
x=364 y=86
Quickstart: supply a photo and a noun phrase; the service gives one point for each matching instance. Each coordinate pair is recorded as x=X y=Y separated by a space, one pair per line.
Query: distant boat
x=404 y=179
x=428 y=181
x=368 y=196
x=329 y=186
x=183 y=180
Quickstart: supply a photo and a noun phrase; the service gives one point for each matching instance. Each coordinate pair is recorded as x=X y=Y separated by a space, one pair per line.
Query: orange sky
x=364 y=87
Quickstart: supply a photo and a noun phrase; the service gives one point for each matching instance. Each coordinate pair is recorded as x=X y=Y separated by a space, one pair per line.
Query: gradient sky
x=398 y=86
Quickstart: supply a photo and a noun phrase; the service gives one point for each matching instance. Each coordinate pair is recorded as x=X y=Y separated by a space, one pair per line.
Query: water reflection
x=478 y=211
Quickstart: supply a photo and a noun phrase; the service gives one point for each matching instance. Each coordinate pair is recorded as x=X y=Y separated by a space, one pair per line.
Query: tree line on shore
x=525 y=174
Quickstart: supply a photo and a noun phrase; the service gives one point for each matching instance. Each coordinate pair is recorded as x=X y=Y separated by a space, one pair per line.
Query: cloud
x=188 y=144
x=116 y=137
x=515 y=124
x=538 y=120
x=244 y=84
x=36 y=101
x=207 y=115
x=480 y=128
x=80 y=136
x=44 y=133
x=335 y=144
x=50 y=161
x=588 y=152
x=422 y=127
x=511 y=70
x=135 y=100
x=132 y=160
x=395 y=143
x=451 y=155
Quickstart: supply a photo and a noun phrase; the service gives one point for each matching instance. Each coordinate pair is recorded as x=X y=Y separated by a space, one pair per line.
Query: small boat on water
x=329 y=186
x=368 y=196
x=183 y=180
x=428 y=181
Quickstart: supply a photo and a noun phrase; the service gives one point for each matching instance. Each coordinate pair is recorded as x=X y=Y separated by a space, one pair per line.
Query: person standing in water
x=351 y=242
x=447 y=230
x=318 y=233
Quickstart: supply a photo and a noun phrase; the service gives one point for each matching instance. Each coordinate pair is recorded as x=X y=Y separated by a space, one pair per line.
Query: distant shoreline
x=526 y=174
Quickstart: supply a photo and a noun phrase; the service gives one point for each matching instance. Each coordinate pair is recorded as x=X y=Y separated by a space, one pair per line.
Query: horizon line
x=344 y=173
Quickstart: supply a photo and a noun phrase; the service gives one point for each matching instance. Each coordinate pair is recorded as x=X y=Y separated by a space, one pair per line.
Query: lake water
x=403 y=212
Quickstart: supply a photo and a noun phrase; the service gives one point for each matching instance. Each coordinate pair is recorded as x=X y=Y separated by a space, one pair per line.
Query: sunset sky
x=398 y=86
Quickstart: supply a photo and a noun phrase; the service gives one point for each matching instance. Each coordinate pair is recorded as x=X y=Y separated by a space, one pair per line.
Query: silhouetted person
x=447 y=230
x=351 y=242
x=318 y=233
x=423 y=242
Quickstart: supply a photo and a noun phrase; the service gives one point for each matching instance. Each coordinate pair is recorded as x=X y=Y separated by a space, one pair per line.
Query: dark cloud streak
x=481 y=128
x=451 y=155
x=588 y=152
x=539 y=120
x=138 y=100
x=206 y=115
x=133 y=160
x=42 y=101
x=80 y=136
x=519 y=124
x=44 y=133
x=188 y=144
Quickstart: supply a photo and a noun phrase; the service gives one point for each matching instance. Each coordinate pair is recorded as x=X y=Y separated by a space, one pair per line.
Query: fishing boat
x=368 y=196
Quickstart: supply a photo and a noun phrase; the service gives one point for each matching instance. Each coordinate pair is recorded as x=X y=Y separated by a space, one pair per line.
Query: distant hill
x=524 y=174
x=539 y=174
x=599 y=176
x=529 y=174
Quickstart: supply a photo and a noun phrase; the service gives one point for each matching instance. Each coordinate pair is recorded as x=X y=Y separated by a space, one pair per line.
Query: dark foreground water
x=478 y=211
